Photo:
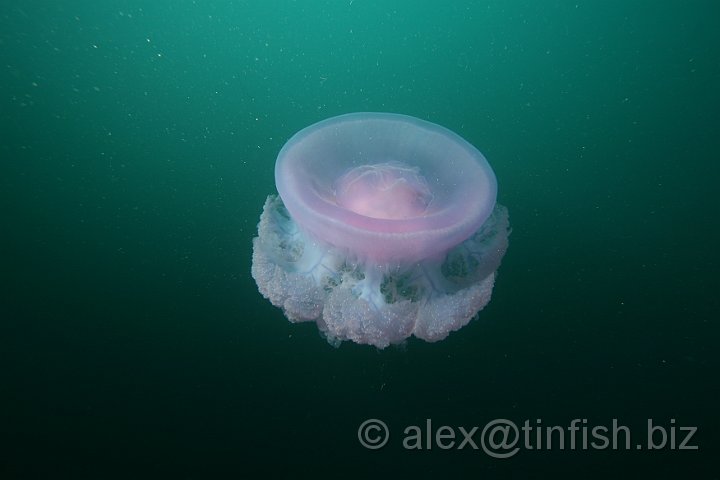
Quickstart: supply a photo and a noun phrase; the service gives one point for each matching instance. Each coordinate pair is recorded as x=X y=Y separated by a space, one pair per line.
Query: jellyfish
x=386 y=227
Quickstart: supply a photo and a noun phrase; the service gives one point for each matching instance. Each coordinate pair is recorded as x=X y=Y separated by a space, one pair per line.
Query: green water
x=137 y=146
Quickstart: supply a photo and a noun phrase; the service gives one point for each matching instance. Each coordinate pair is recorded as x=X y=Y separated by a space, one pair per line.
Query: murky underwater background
x=137 y=147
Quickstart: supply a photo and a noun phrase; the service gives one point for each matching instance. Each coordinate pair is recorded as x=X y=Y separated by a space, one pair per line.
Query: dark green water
x=137 y=147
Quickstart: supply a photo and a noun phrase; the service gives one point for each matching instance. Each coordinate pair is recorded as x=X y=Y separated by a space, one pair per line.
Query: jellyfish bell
x=386 y=227
x=333 y=178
